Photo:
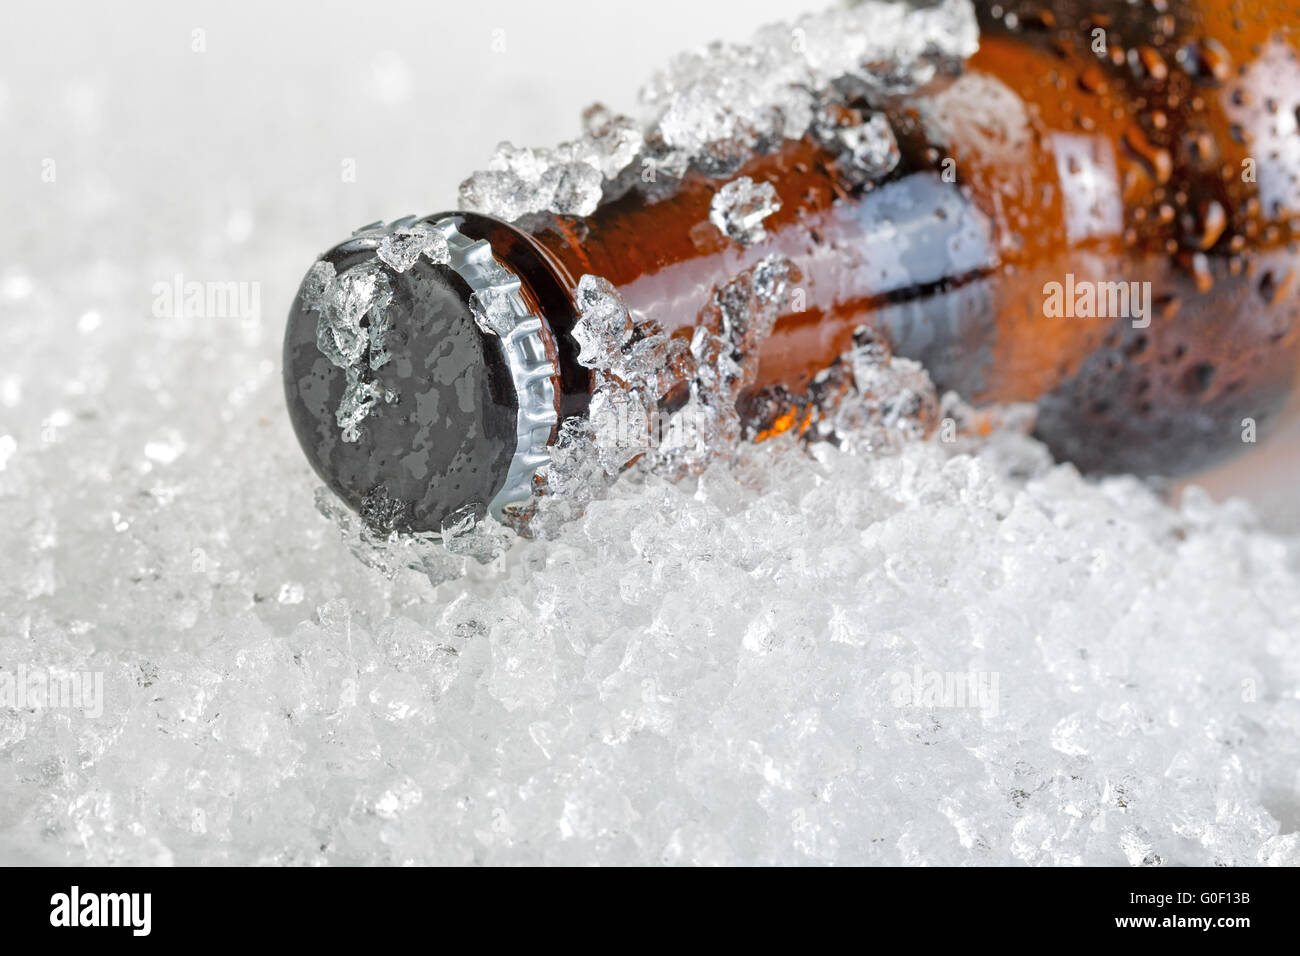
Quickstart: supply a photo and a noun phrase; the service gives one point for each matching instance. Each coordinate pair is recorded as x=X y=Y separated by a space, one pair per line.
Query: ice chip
x=620 y=426
x=739 y=208
x=318 y=285
x=460 y=522
x=359 y=292
x=870 y=147
x=574 y=188
x=493 y=311
x=359 y=396
x=384 y=514
x=403 y=247
x=614 y=138
x=351 y=331
x=498 y=193
x=873 y=402
x=654 y=364
x=520 y=180
x=603 y=324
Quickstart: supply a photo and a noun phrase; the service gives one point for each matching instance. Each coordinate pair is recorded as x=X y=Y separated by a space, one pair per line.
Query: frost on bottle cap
x=417 y=376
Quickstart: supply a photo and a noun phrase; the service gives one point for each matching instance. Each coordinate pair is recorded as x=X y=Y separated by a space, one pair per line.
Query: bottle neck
x=1045 y=165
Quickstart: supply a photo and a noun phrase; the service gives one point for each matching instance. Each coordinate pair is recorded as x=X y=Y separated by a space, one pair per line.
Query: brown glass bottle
x=1089 y=143
x=1086 y=148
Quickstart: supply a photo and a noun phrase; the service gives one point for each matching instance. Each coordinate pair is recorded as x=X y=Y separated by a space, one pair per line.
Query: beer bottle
x=1097 y=215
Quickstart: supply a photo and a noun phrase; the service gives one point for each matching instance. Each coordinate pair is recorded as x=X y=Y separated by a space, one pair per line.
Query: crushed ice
x=715 y=108
x=492 y=310
x=402 y=248
x=865 y=143
x=701 y=672
x=725 y=670
x=567 y=180
x=351 y=332
x=353 y=326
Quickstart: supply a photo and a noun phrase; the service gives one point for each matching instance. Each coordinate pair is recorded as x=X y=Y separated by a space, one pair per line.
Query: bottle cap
x=420 y=376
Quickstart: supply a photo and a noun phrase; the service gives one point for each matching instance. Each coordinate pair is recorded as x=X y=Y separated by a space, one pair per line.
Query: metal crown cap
x=495 y=291
x=523 y=337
